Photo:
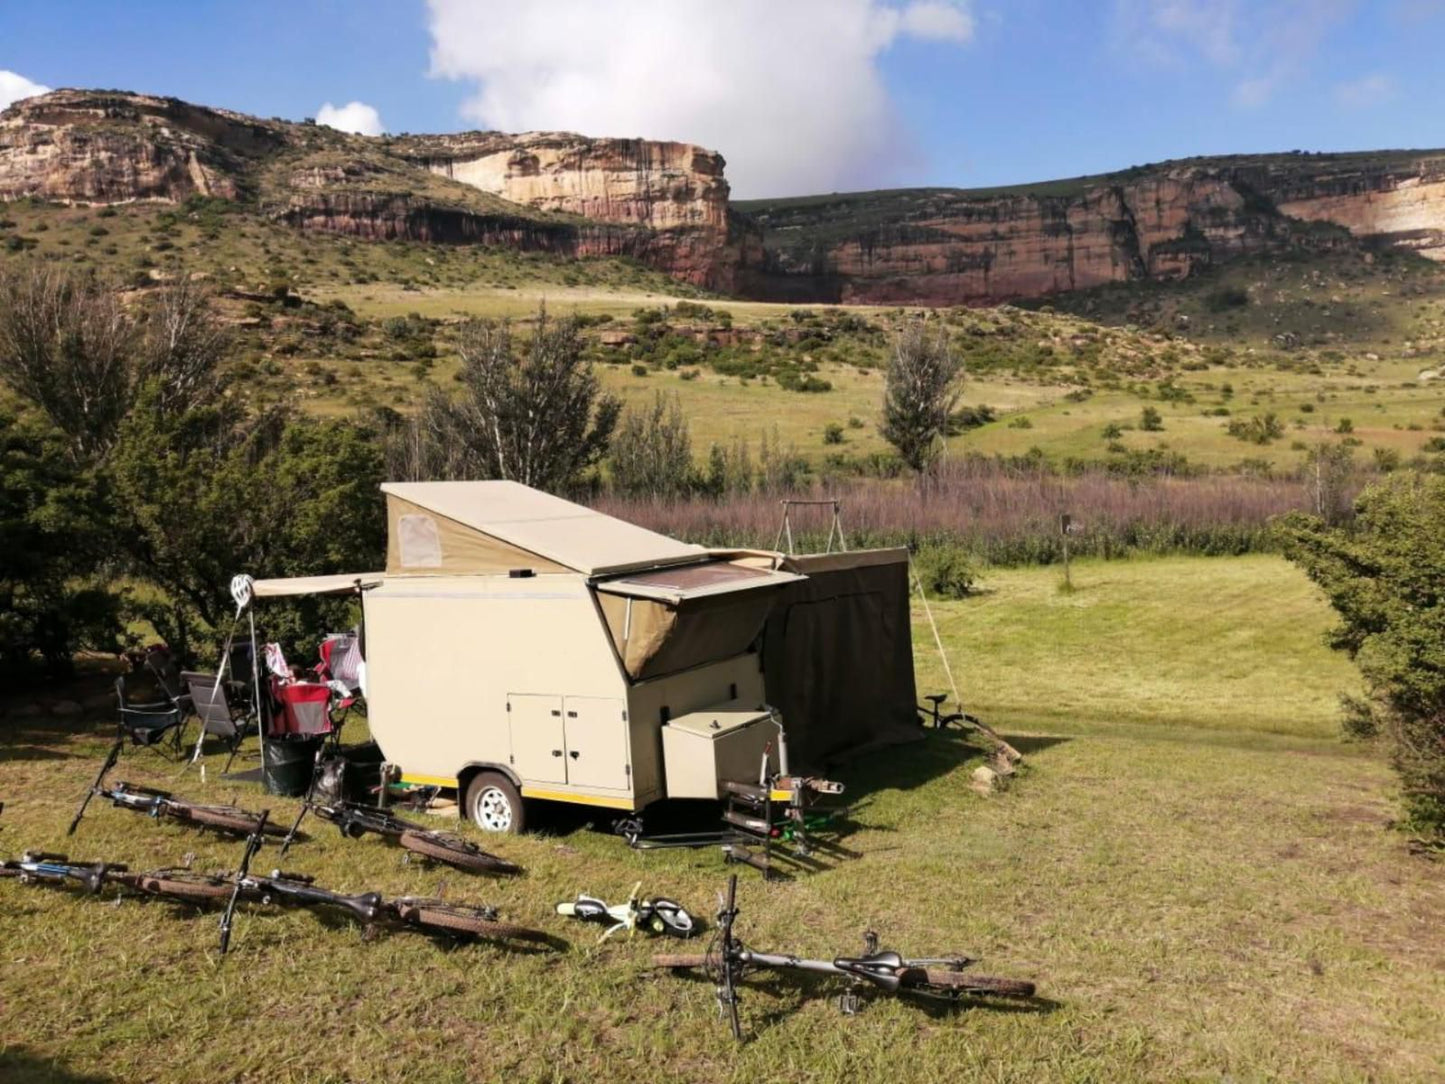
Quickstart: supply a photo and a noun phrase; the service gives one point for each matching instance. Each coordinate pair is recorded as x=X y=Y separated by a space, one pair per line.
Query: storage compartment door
x=538 y=738
x=598 y=753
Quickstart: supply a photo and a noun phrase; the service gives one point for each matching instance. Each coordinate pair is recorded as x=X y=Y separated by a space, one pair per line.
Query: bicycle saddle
x=879 y=968
x=936 y=698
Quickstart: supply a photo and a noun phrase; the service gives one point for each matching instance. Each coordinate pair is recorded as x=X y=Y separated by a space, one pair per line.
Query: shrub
x=1261 y=429
x=945 y=571
x=1021 y=422
x=1150 y=420
x=1344 y=425
x=1382 y=576
x=640 y=370
x=1112 y=431
x=1226 y=298
x=832 y=433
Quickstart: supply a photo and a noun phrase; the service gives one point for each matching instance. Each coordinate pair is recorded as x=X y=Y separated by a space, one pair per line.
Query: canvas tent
x=838 y=654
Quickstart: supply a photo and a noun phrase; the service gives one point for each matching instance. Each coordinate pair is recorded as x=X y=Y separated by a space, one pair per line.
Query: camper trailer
x=519 y=646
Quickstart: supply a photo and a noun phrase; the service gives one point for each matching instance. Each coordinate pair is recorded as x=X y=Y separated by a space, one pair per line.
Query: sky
x=800 y=96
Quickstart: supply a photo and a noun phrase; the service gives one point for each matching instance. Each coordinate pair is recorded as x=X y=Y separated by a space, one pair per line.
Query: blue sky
x=799 y=95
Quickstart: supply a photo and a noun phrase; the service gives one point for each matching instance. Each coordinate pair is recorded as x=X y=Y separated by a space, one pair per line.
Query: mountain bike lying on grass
x=161 y=803
x=658 y=915
x=355 y=819
x=44 y=867
x=434 y=916
x=727 y=960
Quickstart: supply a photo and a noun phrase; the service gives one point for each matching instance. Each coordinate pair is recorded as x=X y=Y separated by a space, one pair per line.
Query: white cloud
x=1259 y=45
x=1367 y=91
x=937 y=20
x=355 y=117
x=13 y=87
x=790 y=93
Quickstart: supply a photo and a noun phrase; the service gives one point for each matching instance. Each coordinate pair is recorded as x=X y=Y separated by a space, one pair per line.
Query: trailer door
x=538 y=738
x=598 y=745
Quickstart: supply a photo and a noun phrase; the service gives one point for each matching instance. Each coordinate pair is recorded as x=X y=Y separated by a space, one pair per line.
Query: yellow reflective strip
x=580 y=799
x=781 y=796
x=429 y=780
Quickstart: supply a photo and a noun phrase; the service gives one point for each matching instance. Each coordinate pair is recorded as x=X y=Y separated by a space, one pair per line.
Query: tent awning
x=687 y=582
x=339 y=584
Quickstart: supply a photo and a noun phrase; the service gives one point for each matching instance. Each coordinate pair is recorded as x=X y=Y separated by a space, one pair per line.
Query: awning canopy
x=339 y=584
x=688 y=582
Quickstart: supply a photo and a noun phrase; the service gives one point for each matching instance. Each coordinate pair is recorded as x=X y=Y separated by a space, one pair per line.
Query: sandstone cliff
x=667 y=203
x=949 y=246
x=663 y=203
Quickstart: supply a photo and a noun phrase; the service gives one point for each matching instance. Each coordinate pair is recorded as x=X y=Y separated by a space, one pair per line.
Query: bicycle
x=434 y=916
x=161 y=803
x=660 y=915
x=727 y=960
x=44 y=867
x=355 y=819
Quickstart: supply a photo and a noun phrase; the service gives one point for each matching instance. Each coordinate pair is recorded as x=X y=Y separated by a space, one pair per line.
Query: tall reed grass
x=1001 y=514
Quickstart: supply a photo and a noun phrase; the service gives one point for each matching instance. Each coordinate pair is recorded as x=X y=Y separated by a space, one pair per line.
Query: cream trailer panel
x=445 y=653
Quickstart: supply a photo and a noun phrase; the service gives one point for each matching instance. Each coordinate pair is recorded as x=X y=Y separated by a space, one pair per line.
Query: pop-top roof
x=566 y=533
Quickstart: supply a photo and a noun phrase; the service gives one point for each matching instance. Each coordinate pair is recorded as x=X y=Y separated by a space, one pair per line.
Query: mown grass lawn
x=1194 y=868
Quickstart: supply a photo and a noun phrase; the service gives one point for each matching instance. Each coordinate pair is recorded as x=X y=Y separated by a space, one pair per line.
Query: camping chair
x=303 y=708
x=218 y=716
x=340 y=658
x=153 y=726
x=162 y=667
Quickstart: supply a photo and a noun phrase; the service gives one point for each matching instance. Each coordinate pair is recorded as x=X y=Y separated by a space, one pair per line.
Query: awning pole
x=256 y=689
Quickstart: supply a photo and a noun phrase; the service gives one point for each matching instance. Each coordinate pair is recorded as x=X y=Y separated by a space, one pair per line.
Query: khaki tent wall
x=663 y=638
x=838 y=655
x=420 y=542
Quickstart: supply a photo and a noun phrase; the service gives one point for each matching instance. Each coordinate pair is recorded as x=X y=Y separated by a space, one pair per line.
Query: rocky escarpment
x=949 y=246
x=663 y=203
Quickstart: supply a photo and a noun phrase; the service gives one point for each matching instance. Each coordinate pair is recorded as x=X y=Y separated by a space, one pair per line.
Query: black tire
x=964 y=982
x=456 y=852
x=466 y=921
x=235 y=821
x=679 y=960
x=673 y=919
x=195 y=888
x=495 y=805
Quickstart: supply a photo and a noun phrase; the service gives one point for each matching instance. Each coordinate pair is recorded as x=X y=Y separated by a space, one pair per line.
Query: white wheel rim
x=493 y=811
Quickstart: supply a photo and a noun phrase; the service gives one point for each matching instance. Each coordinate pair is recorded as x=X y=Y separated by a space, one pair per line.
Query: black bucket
x=287 y=762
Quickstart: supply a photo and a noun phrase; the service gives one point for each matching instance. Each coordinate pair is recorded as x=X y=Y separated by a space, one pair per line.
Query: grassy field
x=1194 y=868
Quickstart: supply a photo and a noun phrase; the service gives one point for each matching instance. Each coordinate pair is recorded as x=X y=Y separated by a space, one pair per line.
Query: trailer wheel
x=494 y=804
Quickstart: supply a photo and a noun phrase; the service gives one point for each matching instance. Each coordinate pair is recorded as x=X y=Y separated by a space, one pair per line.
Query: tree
x=652 y=451
x=1328 y=471
x=1383 y=577
x=53 y=538
x=531 y=412
x=205 y=494
x=70 y=348
x=921 y=391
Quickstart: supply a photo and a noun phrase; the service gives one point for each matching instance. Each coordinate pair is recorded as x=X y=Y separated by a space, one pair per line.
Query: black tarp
x=838 y=656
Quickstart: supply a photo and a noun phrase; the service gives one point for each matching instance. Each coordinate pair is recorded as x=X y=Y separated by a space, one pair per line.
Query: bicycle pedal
x=850 y=1004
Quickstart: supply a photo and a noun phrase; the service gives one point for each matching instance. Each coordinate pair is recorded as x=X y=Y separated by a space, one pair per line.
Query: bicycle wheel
x=455 y=851
x=679 y=960
x=226 y=819
x=469 y=921
x=180 y=885
x=952 y=983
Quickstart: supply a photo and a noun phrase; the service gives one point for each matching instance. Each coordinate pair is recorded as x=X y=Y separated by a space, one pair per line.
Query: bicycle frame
x=57 y=869
x=292 y=888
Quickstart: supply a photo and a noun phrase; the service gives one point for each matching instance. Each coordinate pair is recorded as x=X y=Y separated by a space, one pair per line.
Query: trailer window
x=420 y=542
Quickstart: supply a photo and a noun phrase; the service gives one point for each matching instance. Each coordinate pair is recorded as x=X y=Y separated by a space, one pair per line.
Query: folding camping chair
x=162 y=667
x=217 y=714
x=153 y=725
x=303 y=708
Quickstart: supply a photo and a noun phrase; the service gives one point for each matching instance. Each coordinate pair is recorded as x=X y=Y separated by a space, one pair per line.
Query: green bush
x=1382 y=574
x=945 y=571
x=832 y=433
x=1150 y=420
